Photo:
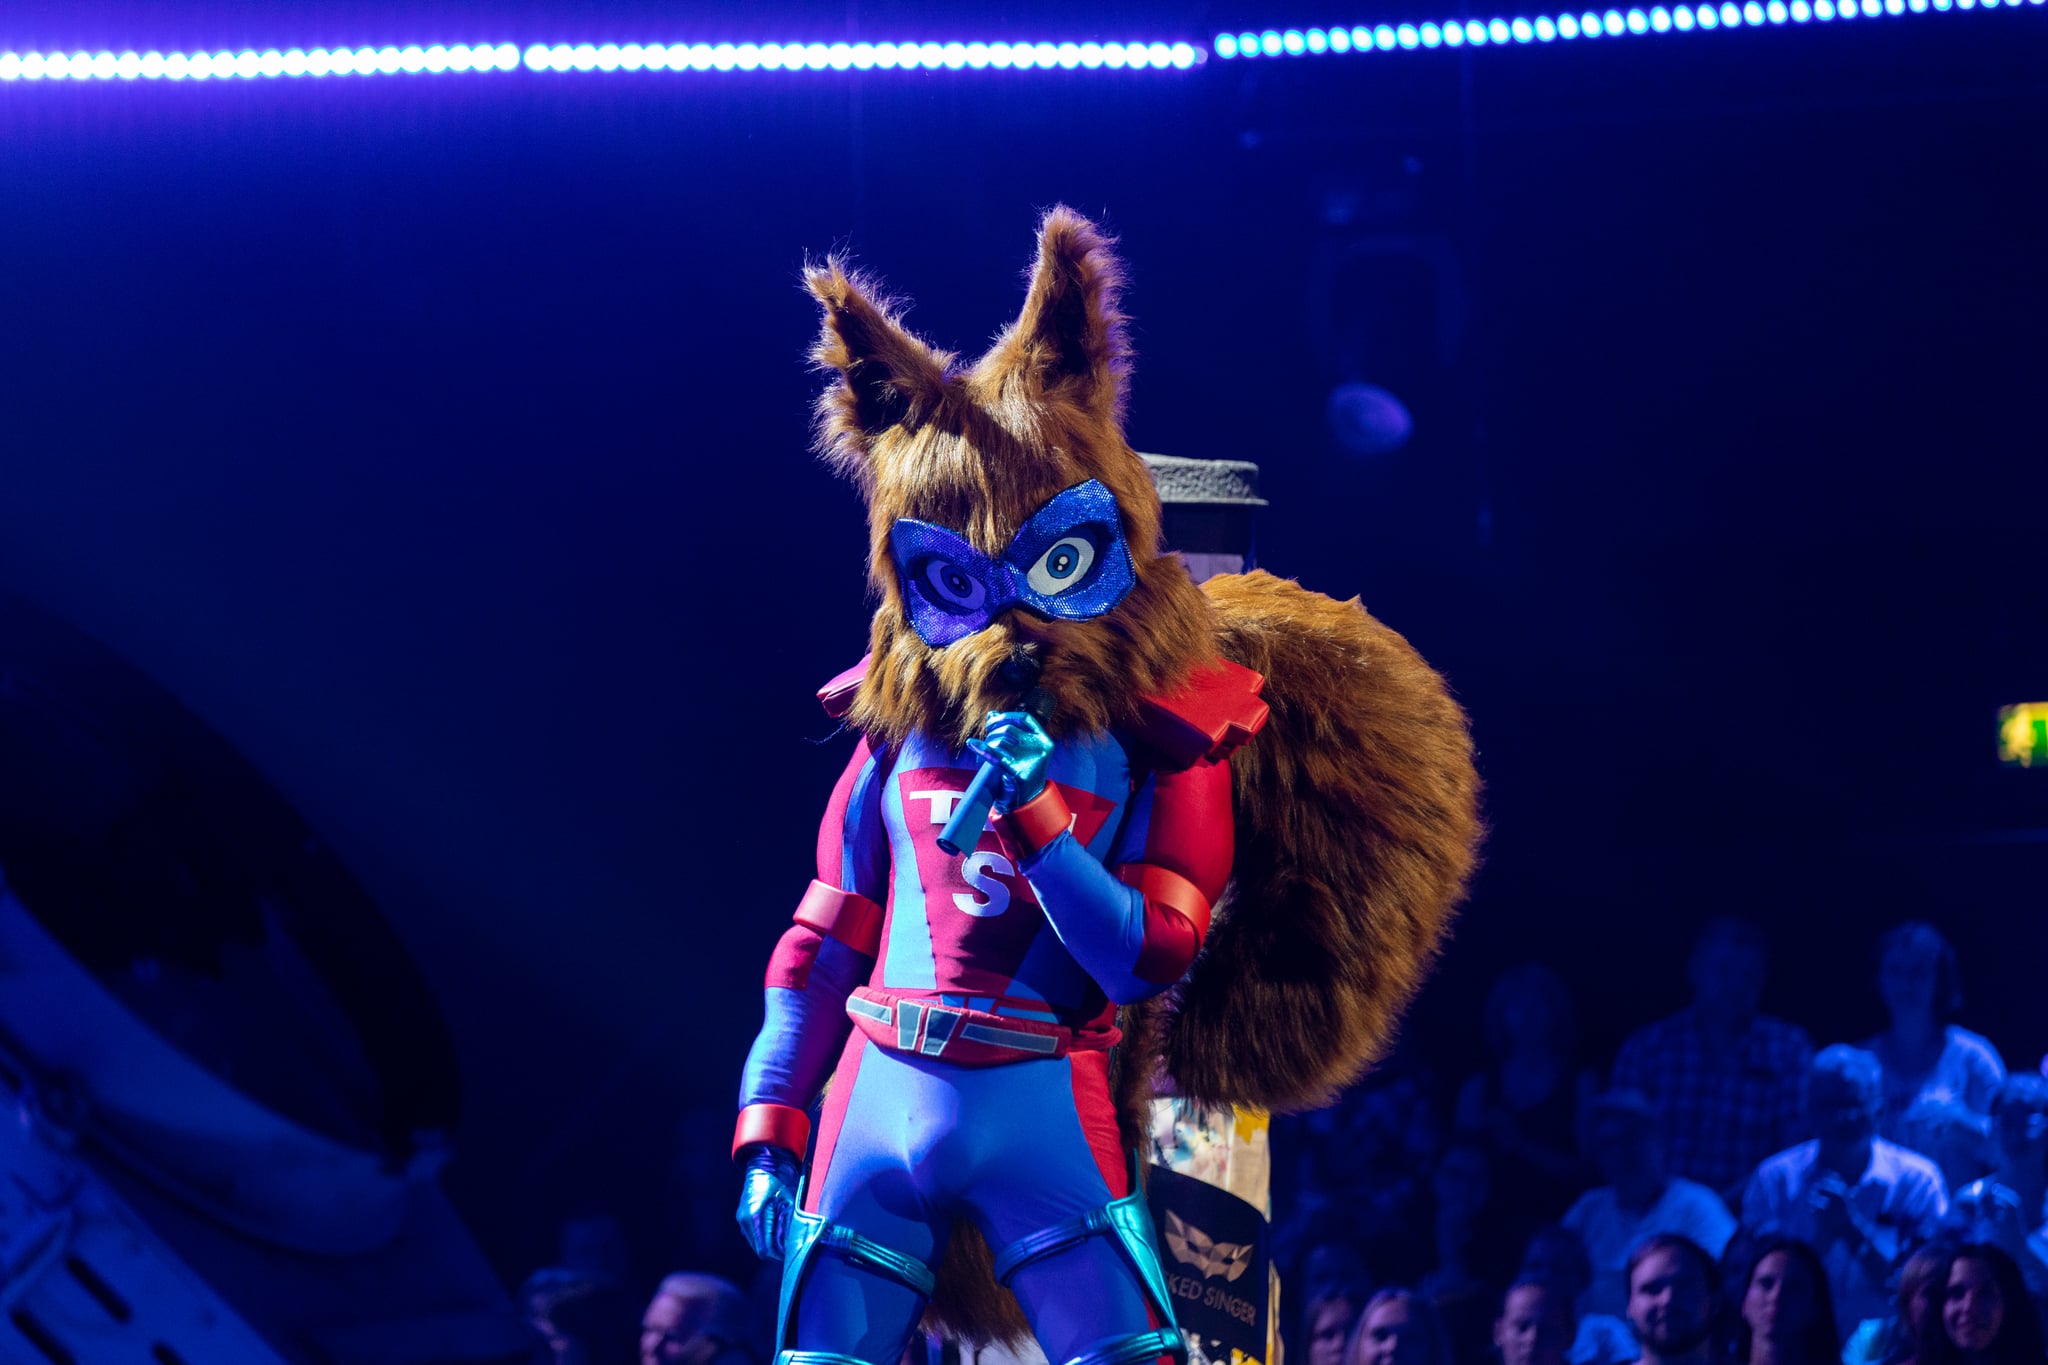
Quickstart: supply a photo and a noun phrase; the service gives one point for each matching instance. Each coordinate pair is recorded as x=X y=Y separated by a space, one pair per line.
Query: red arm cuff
x=1176 y=919
x=853 y=919
x=778 y=1125
x=1034 y=824
x=1164 y=887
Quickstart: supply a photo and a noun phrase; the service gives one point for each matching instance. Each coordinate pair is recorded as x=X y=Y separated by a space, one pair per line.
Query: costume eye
x=952 y=586
x=1062 y=566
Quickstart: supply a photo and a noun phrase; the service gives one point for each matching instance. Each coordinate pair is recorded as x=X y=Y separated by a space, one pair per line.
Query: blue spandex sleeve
x=1100 y=920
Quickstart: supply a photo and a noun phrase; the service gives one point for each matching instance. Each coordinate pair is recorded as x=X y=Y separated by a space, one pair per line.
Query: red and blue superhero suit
x=964 y=1009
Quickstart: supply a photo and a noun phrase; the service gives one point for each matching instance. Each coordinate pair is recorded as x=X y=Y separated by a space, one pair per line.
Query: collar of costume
x=1069 y=562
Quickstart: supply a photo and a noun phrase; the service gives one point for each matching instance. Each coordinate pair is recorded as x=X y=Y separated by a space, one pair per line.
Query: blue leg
x=1043 y=1197
x=861 y=1291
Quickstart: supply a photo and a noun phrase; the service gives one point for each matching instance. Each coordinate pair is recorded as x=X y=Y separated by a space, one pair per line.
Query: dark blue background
x=442 y=441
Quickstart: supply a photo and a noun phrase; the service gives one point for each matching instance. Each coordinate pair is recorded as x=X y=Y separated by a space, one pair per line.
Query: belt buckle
x=909 y=1022
x=941 y=1026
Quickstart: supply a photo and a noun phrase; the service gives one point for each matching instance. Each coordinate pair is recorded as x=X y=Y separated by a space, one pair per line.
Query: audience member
x=1327 y=1321
x=695 y=1320
x=1896 y=1339
x=1398 y=1327
x=1938 y=1076
x=1640 y=1197
x=1674 y=1292
x=1556 y=1257
x=1729 y=1082
x=1986 y=1316
x=1784 y=1314
x=1858 y=1200
x=1528 y=1106
x=1535 y=1324
x=584 y=1318
x=2009 y=1207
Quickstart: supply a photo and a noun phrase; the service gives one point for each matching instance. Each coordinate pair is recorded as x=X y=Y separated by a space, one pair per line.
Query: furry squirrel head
x=977 y=449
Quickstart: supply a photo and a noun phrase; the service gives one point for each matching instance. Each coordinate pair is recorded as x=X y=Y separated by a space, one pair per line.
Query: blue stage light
x=952 y=56
x=610 y=57
x=1712 y=14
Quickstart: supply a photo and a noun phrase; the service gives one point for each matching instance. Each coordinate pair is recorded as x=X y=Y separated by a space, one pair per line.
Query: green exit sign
x=2023 y=735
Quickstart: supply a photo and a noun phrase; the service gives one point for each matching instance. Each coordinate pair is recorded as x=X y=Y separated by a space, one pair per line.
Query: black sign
x=1212 y=1246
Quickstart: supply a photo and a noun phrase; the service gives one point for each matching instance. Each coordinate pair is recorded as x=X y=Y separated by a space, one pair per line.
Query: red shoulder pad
x=837 y=696
x=1214 y=712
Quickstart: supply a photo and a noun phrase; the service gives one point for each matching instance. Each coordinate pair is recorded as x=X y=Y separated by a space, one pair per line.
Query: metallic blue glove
x=1021 y=750
x=767 y=1196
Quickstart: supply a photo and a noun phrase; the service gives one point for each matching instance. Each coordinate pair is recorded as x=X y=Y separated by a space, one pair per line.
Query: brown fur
x=1356 y=819
x=980 y=449
x=1357 y=828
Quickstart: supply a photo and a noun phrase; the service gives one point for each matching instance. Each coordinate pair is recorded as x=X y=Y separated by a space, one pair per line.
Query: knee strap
x=810 y=1234
x=1127 y=1222
x=1135 y=1349
x=1050 y=1242
x=872 y=1256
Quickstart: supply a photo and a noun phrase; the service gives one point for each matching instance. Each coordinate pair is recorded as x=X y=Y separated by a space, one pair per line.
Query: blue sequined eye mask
x=1069 y=563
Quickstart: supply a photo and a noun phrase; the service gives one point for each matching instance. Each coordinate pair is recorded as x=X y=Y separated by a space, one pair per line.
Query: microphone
x=963 y=831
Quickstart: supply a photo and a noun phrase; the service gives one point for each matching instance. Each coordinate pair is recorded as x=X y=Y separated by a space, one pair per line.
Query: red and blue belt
x=920 y=1026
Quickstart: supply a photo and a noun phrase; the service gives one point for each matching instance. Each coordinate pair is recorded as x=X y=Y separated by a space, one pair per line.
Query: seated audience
x=1938 y=1077
x=1730 y=1082
x=1861 y=1202
x=1327 y=1320
x=1556 y=1257
x=1640 y=1197
x=1986 y=1316
x=1535 y=1324
x=1318 y=1261
x=1398 y=1327
x=695 y=1320
x=1896 y=1339
x=1674 y=1292
x=1784 y=1315
x=1527 y=1107
x=2009 y=1207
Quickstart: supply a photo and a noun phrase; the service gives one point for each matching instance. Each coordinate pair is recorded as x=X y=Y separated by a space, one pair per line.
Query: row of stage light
x=998 y=56
x=391 y=61
x=1589 y=24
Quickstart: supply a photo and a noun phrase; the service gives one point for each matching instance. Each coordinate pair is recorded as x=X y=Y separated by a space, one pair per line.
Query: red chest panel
x=979 y=911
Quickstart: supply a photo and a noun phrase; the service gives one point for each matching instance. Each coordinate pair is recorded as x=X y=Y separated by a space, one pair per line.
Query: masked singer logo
x=1192 y=1246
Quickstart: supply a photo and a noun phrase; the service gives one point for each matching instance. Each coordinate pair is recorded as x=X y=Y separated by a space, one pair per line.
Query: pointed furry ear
x=886 y=376
x=1070 y=338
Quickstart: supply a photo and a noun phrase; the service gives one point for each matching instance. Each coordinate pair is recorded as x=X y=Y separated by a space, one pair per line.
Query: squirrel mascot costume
x=1230 y=826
